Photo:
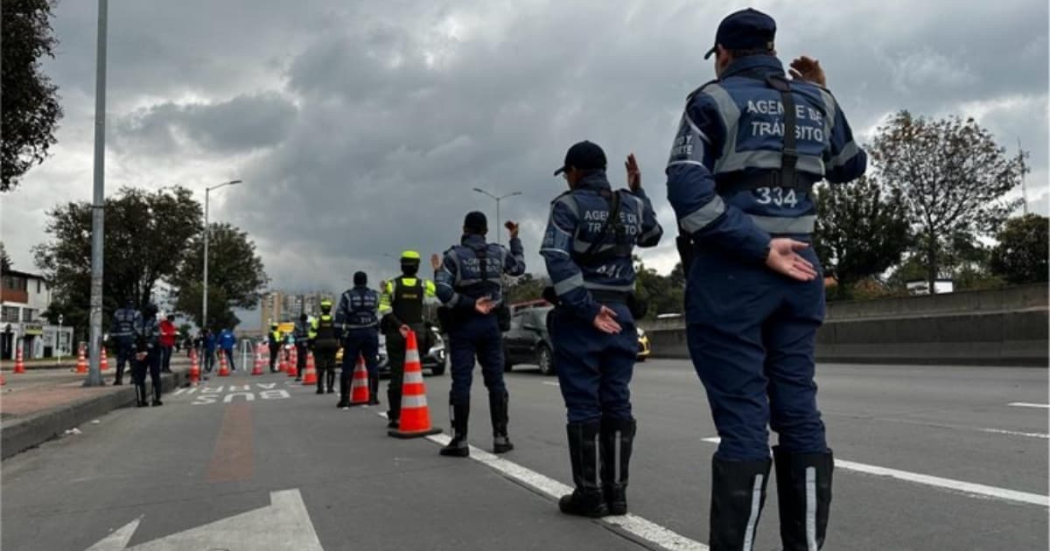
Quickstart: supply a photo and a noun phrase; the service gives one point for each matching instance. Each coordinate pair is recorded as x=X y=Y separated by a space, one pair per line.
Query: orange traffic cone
x=359 y=386
x=292 y=363
x=2 y=381
x=258 y=369
x=310 y=377
x=20 y=367
x=195 y=369
x=103 y=363
x=82 y=366
x=224 y=370
x=415 y=415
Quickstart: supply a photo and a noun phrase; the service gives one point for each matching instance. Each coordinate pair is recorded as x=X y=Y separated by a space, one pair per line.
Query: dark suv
x=528 y=341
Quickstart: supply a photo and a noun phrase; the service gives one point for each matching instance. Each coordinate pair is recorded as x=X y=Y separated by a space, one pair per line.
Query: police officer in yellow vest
x=274 y=342
x=401 y=308
x=325 y=337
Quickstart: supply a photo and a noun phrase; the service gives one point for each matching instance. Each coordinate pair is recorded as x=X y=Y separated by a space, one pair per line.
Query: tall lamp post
x=498 y=199
x=58 y=339
x=207 y=231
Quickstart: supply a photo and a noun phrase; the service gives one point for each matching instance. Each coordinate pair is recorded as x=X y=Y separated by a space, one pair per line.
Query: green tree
x=29 y=102
x=660 y=291
x=953 y=178
x=862 y=230
x=145 y=234
x=5 y=261
x=236 y=277
x=525 y=288
x=1021 y=255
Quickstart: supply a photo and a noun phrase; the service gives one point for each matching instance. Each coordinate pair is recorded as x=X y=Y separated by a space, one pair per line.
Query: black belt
x=610 y=296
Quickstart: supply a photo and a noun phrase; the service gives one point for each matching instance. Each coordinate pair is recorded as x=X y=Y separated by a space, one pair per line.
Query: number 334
x=778 y=196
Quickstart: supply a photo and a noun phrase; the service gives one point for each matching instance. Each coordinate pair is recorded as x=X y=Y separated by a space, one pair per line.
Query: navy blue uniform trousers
x=751 y=334
x=364 y=343
x=594 y=368
x=476 y=336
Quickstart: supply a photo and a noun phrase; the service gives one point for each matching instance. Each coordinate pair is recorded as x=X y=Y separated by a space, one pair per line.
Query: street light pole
x=58 y=339
x=94 y=377
x=207 y=231
x=499 y=241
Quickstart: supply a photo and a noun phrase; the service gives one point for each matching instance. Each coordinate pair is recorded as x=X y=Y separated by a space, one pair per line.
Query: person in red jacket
x=168 y=333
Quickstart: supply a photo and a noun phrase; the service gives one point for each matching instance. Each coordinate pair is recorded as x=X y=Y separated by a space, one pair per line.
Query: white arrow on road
x=284 y=524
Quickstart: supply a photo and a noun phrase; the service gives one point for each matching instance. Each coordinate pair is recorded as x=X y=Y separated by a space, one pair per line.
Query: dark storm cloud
x=361 y=128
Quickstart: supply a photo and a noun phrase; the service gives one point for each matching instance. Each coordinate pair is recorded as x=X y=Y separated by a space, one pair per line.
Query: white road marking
x=551 y=488
x=1016 y=433
x=1028 y=405
x=551 y=383
x=284 y=524
x=936 y=481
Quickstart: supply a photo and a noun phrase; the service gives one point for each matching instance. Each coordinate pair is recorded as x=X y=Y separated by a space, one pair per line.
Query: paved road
x=909 y=440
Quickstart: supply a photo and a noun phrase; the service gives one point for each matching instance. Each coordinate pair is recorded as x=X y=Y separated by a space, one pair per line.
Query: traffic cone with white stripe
x=310 y=376
x=103 y=363
x=224 y=370
x=291 y=369
x=415 y=415
x=82 y=366
x=195 y=369
x=258 y=368
x=359 y=395
x=20 y=366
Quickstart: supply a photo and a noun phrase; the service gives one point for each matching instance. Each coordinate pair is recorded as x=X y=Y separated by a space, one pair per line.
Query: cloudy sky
x=360 y=128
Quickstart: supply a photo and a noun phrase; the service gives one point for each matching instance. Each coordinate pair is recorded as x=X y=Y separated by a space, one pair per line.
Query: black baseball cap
x=476 y=222
x=745 y=30
x=584 y=155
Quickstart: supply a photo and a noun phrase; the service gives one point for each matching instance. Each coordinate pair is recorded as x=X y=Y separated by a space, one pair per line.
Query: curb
x=40 y=427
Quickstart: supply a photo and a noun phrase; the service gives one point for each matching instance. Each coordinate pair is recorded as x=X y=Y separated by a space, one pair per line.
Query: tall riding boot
x=156 y=394
x=331 y=380
x=587 y=499
x=344 y=393
x=738 y=494
x=373 y=390
x=460 y=414
x=119 y=380
x=393 y=415
x=498 y=411
x=140 y=394
x=617 y=441
x=320 y=381
x=804 y=497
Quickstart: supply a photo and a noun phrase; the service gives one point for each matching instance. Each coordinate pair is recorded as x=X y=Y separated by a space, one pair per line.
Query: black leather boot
x=320 y=381
x=458 y=447
x=738 y=493
x=344 y=394
x=393 y=415
x=498 y=411
x=140 y=395
x=331 y=380
x=617 y=440
x=156 y=396
x=587 y=499
x=804 y=497
x=373 y=390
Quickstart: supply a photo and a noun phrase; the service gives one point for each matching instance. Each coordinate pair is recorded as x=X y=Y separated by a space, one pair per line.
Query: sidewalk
x=41 y=404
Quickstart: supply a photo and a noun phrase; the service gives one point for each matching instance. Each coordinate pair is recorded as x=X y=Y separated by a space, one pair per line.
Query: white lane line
x=936 y=481
x=1016 y=433
x=544 y=485
x=1028 y=405
x=551 y=383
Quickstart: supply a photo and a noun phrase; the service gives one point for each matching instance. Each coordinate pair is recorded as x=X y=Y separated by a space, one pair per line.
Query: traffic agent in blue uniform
x=122 y=334
x=749 y=148
x=469 y=284
x=588 y=249
x=358 y=318
x=147 y=356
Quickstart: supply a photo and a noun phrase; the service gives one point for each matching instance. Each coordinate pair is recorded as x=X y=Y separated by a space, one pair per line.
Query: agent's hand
x=435 y=262
x=634 y=174
x=404 y=330
x=512 y=227
x=807 y=68
x=605 y=321
x=484 y=305
x=784 y=259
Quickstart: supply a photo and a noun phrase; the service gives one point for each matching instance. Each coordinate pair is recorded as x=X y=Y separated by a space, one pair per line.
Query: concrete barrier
x=997 y=327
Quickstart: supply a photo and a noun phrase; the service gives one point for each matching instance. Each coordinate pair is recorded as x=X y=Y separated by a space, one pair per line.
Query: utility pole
x=1024 y=190
x=98 y=210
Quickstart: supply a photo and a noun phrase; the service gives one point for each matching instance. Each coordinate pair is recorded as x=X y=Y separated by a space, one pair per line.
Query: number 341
x=778 y=196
